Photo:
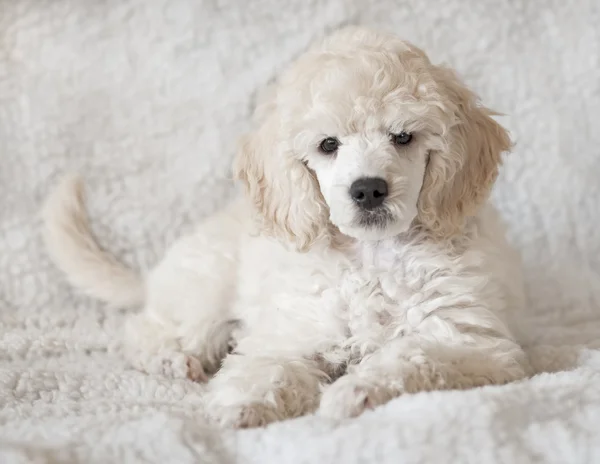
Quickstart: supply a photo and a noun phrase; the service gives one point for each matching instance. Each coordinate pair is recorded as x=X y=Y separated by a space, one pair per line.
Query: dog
x=364 y=261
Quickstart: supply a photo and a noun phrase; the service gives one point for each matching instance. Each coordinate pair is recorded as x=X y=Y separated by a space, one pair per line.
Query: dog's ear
x=284 y=191
x=459 y=177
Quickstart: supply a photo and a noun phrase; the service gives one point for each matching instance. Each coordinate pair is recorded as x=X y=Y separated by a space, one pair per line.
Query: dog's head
x=364 y=134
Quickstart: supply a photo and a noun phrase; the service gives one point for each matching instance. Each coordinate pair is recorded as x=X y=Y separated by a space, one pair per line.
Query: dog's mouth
x=378 y=218
x=372 y=225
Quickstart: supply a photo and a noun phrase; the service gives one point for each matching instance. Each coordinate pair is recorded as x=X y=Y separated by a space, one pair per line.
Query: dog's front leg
x=254 y=390
x=413 y=363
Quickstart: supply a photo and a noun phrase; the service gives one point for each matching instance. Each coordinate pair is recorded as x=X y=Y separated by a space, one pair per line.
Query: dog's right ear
x=284 y=191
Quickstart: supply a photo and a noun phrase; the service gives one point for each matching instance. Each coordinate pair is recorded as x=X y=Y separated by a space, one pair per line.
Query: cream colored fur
x=320 y=312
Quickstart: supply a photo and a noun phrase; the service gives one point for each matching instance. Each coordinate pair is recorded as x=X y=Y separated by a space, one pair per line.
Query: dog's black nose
x=369 y=192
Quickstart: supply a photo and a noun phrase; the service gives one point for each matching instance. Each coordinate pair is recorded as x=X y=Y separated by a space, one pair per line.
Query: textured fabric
x=146 y=99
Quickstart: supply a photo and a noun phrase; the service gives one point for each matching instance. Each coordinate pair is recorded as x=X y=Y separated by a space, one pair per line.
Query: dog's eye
x=403 y=138
x=329 y=145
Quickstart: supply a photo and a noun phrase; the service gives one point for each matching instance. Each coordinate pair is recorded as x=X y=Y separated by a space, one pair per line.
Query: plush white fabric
x=136 y=94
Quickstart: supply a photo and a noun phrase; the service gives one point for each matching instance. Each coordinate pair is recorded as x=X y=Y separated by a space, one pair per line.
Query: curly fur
x=316 y=309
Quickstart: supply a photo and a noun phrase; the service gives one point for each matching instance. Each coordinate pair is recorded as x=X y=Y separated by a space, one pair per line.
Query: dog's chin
x=365 y=228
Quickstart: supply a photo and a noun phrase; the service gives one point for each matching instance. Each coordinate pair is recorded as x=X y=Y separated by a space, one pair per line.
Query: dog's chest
x=377 y=290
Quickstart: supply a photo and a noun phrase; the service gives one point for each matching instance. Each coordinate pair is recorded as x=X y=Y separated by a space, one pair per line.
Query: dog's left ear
x=459 y=177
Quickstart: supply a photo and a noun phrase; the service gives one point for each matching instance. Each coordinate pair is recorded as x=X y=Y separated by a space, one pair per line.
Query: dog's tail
x=73 y=248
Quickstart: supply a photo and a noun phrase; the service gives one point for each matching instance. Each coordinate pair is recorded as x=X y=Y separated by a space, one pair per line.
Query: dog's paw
x=174 y=365
x=195 y=369
x=179 y=366
x=241 y=416
x=348 y=397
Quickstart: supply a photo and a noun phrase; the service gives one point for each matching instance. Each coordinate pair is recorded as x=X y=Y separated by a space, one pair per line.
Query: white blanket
x=146 y=99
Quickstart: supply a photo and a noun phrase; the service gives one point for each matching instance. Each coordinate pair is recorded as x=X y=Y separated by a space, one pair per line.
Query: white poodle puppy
x=364 y=262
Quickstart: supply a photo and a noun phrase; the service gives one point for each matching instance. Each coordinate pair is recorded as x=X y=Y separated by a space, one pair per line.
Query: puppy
x=363 y=263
